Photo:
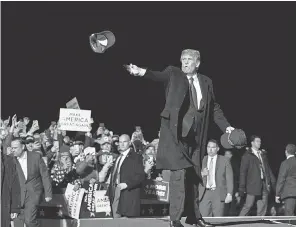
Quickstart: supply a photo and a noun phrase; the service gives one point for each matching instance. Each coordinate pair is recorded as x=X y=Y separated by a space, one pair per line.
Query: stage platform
x=164 y=222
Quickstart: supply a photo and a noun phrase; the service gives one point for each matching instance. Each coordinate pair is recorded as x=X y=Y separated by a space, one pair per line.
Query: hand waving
x=135 y=70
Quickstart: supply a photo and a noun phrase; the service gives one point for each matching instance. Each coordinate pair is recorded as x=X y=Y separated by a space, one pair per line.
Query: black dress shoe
x=176 y=224
x=190 y=220
x=202 y=223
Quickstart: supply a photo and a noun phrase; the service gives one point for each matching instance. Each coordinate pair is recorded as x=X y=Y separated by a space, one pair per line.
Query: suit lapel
x=20 y=170
x=184 y=84
x=203 y=87
x=204 y=165
x=3 y=168
x=29 y=164
x=126 y=159
x=216 y=167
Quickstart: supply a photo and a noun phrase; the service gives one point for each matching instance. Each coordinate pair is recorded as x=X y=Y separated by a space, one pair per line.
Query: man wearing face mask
x=190 y=101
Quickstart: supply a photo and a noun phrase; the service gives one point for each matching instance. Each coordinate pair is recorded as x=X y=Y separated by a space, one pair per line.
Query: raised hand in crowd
x=34 y=128
x=100 y=130
x=159 y=179
x=36 y=145
x=6 y=122
x=92 y=181
x=76 y=187
x=148 y=165
x=26 y=121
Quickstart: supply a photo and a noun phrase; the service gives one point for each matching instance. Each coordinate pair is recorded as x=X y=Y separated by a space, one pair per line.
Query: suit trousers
x=211 y=204
x=183 y=194
x=184 y=184
x=115 y=203
x=231 y=209
x=261 y=201
x=290 y=205
x=29 y=212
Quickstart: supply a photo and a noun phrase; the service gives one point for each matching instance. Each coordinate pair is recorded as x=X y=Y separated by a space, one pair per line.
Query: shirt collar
x=214 y=157
x=125 y=152
x=255 y=152
x=290 y=156
x=194 y=77
x=23 y=156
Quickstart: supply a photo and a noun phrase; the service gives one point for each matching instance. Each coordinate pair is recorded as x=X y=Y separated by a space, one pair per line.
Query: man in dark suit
x=10 y=191
x=190 y=104
x=33 y=178
x=127 y=176
x=286 y=183
x=256 y=178
x=217 y=188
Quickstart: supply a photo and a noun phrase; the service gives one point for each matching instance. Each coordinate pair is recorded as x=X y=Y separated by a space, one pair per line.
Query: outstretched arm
x=149 y=74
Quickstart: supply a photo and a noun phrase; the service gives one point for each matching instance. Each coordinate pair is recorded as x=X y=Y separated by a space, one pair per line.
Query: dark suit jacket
x=37 y=180
x=171 y=153
x=250 y=174
x=286 y=183
x=223 y=177
x=10 y=190
x=132 y=173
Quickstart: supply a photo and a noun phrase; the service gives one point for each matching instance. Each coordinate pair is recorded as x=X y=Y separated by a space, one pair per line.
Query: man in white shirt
x=34 y=179
x=127 y=175
x=286 y=183
x=218 y=180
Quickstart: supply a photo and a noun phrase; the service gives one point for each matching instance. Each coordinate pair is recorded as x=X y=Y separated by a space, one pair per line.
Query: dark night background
x=248 y=49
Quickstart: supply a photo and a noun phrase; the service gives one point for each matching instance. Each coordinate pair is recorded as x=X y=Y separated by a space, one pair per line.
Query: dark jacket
x=132 y=173
x=286 y=183
x=38 y=180
x=7 y=142
x=250 y=174
x=10 y=190
x=171 y=153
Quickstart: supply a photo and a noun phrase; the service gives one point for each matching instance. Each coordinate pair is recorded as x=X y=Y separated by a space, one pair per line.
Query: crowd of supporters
x=84 y=157
x=88 y=157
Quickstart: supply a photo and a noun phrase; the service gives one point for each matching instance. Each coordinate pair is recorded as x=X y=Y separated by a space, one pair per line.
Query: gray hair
x=191 y=52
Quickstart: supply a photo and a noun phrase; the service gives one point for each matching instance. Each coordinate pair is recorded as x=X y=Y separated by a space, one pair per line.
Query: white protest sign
x=102 y=202
x=73 y=104
x=73 y=200
x=75 y=120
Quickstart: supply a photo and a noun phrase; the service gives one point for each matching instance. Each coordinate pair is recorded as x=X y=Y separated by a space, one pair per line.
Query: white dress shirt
x=197 y=88
x=213 y=171
x=260 y=158
x=24 y=163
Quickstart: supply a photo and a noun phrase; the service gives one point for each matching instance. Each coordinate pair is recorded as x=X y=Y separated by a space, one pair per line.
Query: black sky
x=248 y=49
